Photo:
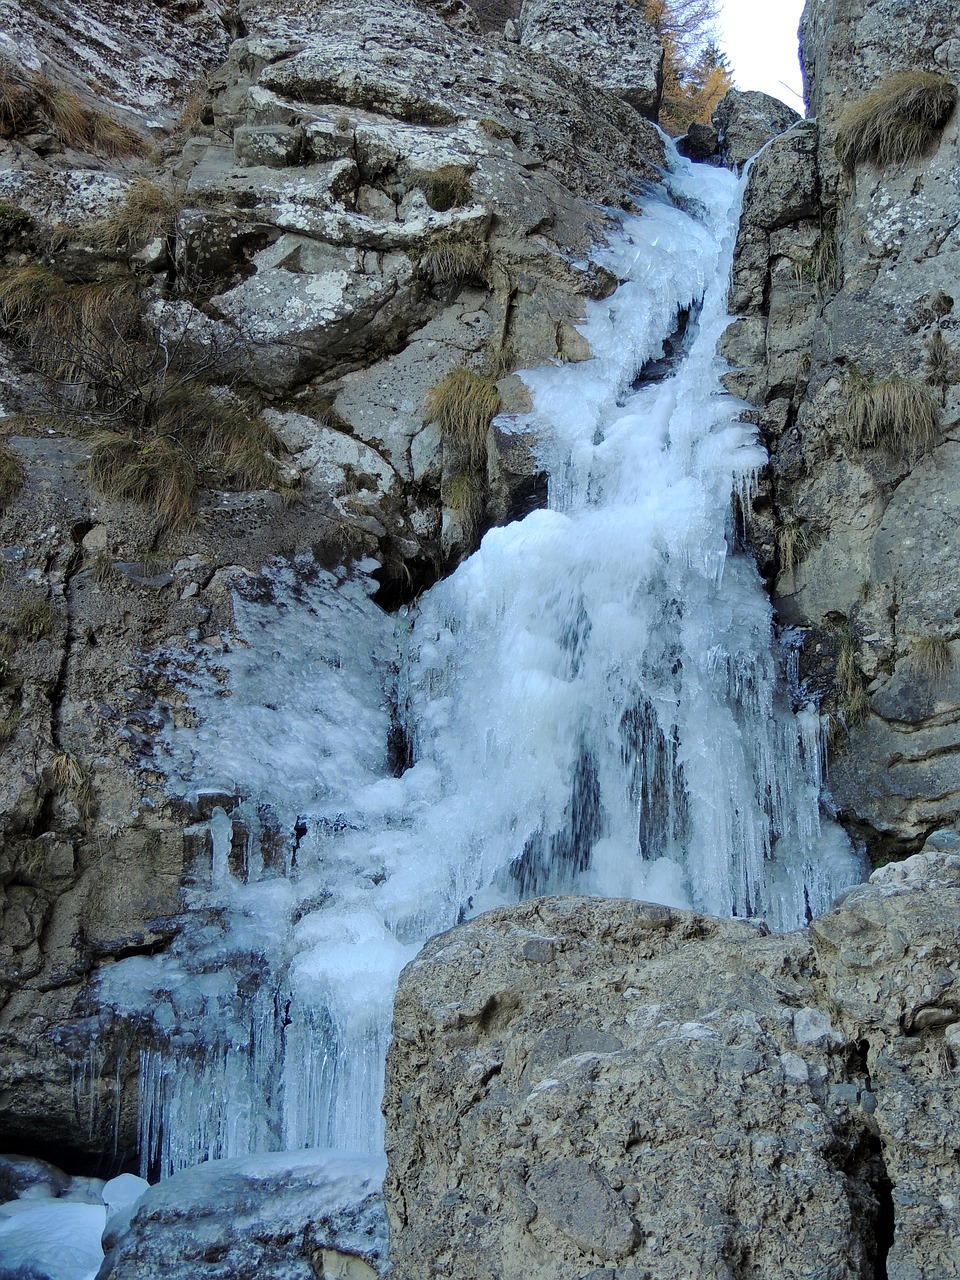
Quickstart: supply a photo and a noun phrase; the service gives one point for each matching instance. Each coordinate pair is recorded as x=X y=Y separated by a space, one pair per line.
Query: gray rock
x=852 y=277
x=699 y=142
x=291 y=1216
x=745 y=121
x=671 y=1092
x=27 y=1176
x=609 y=42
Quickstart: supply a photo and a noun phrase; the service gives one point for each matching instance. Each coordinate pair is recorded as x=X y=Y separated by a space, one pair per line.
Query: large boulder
x=745 y=121
x=580 y=1087
x=609 y=42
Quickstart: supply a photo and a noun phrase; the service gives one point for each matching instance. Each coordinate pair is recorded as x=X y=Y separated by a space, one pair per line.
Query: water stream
x=591 y=704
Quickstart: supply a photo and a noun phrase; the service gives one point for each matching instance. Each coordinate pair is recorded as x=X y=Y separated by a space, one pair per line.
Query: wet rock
x=28 y=1177
x=699 y=142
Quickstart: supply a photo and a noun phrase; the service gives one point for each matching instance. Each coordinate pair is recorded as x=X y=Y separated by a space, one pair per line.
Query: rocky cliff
x=848 y=347
x=351 y=221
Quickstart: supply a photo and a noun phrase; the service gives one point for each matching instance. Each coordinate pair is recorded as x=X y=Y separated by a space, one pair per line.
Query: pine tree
x=696 y=73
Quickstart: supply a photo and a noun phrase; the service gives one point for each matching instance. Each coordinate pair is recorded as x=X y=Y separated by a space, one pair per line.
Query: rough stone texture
x=372 y=195
x=745 y=121
x=841 y=276
x=139 y=55
x=579 y=1087
x=608 y=41
x=292 y=1216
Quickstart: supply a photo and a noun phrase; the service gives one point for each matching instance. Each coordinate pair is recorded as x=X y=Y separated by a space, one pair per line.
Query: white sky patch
x=760 y=39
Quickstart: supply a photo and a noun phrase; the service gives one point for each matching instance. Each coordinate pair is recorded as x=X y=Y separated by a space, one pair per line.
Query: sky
x=760 y=39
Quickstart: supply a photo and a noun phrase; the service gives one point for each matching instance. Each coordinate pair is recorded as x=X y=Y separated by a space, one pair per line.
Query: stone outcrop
x=846 y=280
x=745 y=121
x=610 y=44
x=580 y=1087
x=136 y=56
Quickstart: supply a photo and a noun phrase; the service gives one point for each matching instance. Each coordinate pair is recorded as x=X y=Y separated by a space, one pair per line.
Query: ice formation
x=592 y=706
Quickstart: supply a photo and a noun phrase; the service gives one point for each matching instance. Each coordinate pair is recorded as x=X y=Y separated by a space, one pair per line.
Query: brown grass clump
x=454 y=263
x=14 y=100
x=793 y=542
x=62 y=109
x=11 y=474
x=943 y=362
x=447 y=187
x=899 y=414
x=897 y=122
x=463 y=405
x=148 y=211
x=35 y=620
x=37 y=98
x=854 y=702
x=158 y=429
x=931 y=656
x=62 y=327
x=70 y=780
x=174 y=437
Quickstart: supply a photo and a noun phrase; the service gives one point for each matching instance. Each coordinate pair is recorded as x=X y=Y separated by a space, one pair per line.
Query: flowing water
x=590 y=704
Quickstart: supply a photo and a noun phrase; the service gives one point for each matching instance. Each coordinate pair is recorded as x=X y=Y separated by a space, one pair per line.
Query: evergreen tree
x=696 y=73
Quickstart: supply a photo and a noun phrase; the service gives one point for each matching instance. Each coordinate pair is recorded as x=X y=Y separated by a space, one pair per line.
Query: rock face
x=140 y=55
x=745 y=121
x=292 y=1216
x=361 y=199
x=846 y=279
x=579 y=1087
x=608 y=41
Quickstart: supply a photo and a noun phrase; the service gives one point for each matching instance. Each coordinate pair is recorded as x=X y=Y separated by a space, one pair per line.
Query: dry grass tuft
x=14 y=100
x=181 y=436
x=447 y=187
x=463 y=405
x=148 y=211
x=897 y=122
x=37 y=98
x=36 y=619
x=943 y=362
x=931 y=656
x=158 y=430
x=62 y=109
x=854 y=703
x=70 y=780
x=11 y=474
x=793 y=542
x=455 y=263
x=899 y=414
x=109 y=137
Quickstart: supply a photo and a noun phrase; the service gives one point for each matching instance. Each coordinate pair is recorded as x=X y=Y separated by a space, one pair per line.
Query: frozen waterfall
x=592 y=706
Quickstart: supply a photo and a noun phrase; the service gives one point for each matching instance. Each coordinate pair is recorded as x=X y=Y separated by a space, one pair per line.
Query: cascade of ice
x=593 y=707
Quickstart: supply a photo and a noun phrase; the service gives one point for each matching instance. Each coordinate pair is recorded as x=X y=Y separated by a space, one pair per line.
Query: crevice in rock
x=885 y=1222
